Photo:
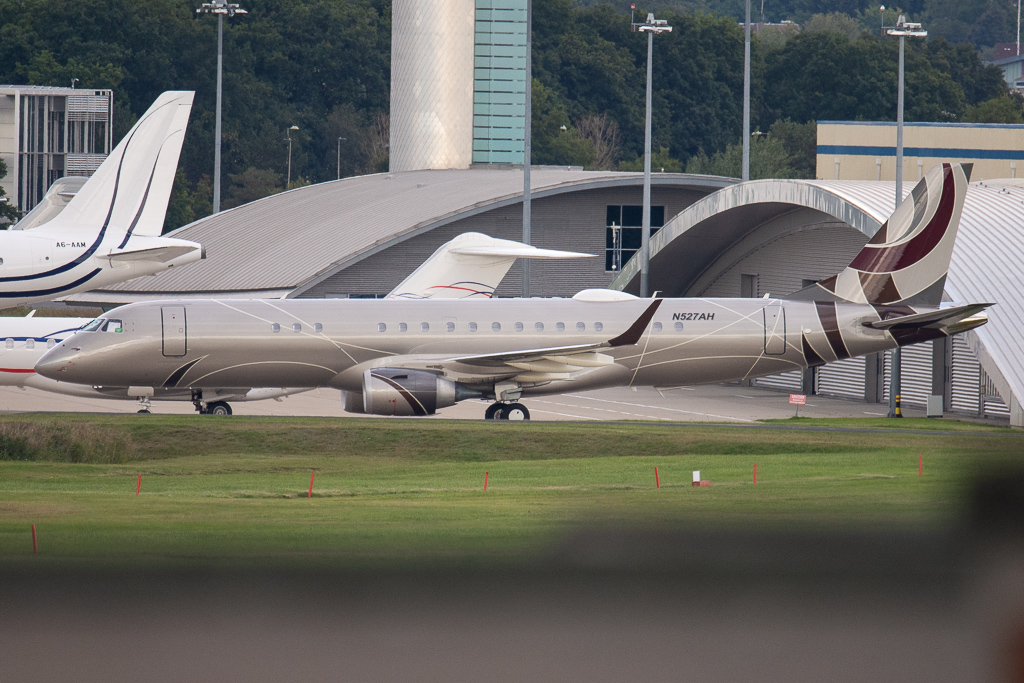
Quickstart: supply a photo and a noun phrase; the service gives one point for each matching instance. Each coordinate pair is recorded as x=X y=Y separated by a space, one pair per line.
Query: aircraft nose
x=58 y=363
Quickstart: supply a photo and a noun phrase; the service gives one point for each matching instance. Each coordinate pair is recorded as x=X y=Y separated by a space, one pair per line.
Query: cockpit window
x=112 y=325
x=94 y=325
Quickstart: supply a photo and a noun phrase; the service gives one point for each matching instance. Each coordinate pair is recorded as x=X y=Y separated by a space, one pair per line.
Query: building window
x=748 y=286
x=624 y=232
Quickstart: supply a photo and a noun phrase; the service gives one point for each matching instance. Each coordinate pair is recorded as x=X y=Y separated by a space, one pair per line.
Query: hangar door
x=173 y=319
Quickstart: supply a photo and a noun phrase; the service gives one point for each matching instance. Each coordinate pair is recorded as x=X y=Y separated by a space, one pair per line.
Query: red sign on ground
x=798 y=399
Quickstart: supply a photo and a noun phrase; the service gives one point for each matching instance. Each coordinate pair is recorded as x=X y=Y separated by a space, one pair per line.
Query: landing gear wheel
x=218 y=408
x=143 y=412
x=514 y=411
x=493 y=411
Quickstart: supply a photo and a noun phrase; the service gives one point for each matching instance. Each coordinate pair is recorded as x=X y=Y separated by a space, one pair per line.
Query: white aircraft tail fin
x=470 y=266
x=907 y=259
x=128 y=193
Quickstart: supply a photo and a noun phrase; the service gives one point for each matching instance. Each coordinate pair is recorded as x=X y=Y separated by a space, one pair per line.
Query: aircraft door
x=774 y=330
x=174 y=331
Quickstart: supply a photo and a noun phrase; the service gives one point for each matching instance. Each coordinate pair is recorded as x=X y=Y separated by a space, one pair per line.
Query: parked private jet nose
x=61 y=362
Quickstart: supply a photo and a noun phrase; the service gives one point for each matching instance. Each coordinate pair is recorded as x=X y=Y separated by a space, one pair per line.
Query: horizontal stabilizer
x=470 y=266
x=942 y=318
x=158 y=254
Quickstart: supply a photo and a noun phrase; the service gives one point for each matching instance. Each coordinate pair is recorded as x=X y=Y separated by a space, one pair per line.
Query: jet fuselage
x=317 y=343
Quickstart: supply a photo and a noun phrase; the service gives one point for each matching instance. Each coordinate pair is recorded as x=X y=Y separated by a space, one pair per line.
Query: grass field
x=233 y=492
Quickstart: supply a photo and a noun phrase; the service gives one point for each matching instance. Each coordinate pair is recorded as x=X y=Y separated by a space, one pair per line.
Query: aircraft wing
x=544 y=364
x=944 y=317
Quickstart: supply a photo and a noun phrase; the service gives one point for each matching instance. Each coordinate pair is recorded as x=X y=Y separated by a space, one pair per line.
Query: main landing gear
x=144 y=405
x=212 y=408
x=506 y=411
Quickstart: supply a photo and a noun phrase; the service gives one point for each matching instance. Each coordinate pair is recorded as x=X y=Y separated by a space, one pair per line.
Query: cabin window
x=598 y=327
x=472 y=327
x=657 y=327
x=112 y=325
x=30 y=343
x=539 y=327
x=560 y=327
x=296 y=327
x=9 y=343
x=425 y=327
x=275 y=328
x=50 y=343
x=402 y=327
x=581 y=327
x=496 y=327
x=381 y=327
x=450 y=327
x=318 y=328
x=679 y=327
x=519 y=327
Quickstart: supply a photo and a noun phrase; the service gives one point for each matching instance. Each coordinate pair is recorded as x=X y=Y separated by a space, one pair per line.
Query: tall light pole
x=527 y=146
x=903 y=28
x=221 y=8
x=288 y=133
x=650 y=27
x=339 y=156
x=746 y=95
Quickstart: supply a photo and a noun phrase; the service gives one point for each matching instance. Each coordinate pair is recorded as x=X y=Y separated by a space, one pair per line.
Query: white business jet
x=109 y=231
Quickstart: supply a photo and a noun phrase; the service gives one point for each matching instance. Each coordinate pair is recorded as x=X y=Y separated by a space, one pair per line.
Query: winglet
x=636 y=330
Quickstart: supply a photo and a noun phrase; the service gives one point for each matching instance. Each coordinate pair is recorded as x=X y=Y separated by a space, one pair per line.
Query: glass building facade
x=499 y=82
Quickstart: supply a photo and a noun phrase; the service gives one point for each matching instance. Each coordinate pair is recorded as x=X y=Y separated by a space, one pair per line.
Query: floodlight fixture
x=650 y=27
x=222 y=9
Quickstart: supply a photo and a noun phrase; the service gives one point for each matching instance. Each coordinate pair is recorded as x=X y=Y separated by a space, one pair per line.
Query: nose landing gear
x=506 y=411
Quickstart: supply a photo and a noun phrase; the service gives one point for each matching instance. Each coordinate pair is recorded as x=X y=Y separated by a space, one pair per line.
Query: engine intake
x=397 y=391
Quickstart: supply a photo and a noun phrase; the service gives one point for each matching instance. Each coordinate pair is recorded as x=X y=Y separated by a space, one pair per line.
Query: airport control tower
x=458 y=83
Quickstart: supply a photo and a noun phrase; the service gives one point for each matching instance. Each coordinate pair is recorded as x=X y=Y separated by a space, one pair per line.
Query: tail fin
x=128 y=193
x=471 y=265
x=907 y=259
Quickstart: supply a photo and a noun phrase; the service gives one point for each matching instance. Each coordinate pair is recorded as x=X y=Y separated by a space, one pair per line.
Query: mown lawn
x=233 y=492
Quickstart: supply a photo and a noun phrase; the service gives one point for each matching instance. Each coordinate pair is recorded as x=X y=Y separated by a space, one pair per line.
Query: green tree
x=768 y=159
x=661 y=161
x=555 y=142
x=800 y=141
x=1007 y=108
x=250 y=185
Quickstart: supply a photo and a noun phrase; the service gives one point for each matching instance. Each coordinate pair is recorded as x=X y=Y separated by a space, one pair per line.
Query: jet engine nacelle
x=396 y=391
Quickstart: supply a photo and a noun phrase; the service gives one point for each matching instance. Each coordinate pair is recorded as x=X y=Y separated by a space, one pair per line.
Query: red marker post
x=138 y=487
x=755 y=472
x=35 y=547
x=657 y=481
x=486 y=475
x=798 y=400
x=312 y=476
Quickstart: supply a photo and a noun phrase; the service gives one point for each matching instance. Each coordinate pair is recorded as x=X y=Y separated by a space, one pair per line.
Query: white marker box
x=696 y=476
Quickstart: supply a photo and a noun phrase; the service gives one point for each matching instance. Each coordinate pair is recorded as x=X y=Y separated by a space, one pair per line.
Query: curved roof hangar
x=282 y=245
x=987 y=264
